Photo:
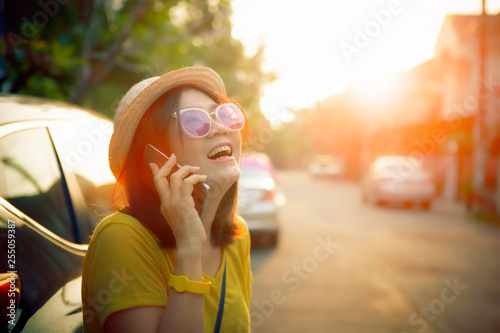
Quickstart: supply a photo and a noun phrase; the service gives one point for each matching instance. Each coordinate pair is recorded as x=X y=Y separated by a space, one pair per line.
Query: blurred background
x=371 y=179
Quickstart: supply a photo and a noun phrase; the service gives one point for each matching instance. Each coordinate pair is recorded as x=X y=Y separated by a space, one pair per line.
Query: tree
x=329 y=127
x=90 y=52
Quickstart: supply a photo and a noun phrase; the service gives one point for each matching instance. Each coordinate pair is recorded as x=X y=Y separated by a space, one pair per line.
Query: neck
x=212 y=207
x=208 y=218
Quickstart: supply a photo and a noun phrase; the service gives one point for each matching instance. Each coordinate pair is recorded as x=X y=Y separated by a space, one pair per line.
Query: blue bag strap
x=221 y=301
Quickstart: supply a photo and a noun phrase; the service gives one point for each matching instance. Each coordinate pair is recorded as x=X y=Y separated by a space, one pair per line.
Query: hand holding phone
x=201 y=191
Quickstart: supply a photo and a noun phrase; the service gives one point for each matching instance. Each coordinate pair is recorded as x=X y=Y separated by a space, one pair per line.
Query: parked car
x=259 y=199
x=398 y=179
x=324 y=165
x=55 y=186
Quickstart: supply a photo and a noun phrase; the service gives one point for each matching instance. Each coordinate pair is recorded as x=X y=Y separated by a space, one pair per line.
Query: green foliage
x=90 y=52
x=292 y=144
x=326 y=128
x=39 y=85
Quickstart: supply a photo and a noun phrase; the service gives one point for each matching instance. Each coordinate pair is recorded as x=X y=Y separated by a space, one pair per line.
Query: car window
x=30 y=179
x=83 y=148
x=252 y=172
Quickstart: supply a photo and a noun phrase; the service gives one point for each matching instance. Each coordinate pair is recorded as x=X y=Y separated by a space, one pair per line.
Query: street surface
x=342 y=266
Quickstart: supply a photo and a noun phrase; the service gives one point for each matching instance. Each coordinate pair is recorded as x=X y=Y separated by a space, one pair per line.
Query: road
x=342 y=266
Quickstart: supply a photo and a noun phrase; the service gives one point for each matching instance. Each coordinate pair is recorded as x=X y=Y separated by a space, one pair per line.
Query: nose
x=217 y=127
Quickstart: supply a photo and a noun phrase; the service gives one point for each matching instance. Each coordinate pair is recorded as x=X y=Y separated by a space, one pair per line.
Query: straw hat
x=140 y=97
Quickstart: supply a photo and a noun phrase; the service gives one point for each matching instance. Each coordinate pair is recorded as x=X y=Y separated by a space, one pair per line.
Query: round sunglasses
x=197 y=122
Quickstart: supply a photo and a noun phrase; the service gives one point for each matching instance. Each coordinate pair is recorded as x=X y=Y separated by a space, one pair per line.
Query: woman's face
x=222 y=173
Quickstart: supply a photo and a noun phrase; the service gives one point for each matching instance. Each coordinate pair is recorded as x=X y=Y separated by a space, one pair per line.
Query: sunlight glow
x=376 y=88
x=305 y=42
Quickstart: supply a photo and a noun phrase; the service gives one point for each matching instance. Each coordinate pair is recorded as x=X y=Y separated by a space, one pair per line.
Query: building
x=470 y=81
x=434 y=113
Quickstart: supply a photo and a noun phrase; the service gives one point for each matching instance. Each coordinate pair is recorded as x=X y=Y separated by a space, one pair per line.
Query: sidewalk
x=453 y=208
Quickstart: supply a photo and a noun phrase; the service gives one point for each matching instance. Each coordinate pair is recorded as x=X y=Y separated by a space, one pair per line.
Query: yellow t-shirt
x=125 y=267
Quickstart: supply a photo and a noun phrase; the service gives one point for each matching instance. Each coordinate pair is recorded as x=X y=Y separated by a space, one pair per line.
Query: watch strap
x=182 y=284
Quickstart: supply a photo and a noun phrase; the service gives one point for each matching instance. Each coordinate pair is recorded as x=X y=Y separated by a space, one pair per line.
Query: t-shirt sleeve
x=124 y=271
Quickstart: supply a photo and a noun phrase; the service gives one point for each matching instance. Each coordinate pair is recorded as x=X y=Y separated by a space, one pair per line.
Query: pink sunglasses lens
x=196 y=123
x=231 y=117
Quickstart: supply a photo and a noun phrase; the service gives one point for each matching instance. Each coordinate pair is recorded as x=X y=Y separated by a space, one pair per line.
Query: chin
x=222 y=180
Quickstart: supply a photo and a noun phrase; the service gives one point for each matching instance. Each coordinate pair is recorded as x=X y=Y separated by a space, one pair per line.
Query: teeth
x=218 y=150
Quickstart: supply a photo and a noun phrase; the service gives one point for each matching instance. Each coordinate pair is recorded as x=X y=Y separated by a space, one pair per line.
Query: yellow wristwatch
x=181 y=284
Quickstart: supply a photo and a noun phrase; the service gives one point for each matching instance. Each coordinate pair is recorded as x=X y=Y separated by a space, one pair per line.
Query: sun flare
x=303 y=43
x=375 y=88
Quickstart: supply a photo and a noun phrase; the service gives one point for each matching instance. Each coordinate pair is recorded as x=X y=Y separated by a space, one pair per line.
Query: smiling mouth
x=220 y=152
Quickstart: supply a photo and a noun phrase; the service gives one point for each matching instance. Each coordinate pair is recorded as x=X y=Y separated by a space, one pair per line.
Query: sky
x=317 y=47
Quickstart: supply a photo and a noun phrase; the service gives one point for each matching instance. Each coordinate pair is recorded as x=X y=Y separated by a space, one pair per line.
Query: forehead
x=195 y=98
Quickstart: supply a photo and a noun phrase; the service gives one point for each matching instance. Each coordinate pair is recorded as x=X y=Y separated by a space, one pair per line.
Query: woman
x=155 y=265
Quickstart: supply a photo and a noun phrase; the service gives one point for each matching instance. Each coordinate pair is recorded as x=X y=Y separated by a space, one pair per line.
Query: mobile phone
x=201 y=191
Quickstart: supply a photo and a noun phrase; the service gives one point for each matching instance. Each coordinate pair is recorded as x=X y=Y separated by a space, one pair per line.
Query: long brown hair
x=132 y=196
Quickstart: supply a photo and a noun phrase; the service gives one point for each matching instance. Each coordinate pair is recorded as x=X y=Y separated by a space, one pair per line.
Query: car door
x=82 y=148
x=38 y=224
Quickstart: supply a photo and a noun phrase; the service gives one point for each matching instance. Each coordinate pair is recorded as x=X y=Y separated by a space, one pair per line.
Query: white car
x=398 y=179
x=259 y=199
x=325 y=165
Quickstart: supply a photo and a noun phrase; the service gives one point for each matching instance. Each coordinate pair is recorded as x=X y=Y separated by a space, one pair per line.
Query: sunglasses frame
x=210 y=116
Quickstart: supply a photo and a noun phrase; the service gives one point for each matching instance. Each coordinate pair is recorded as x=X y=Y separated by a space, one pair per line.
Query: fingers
x=160 y=176
x=189 y=182
x=166 y=168
x=181 y=180
x=178 y=177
